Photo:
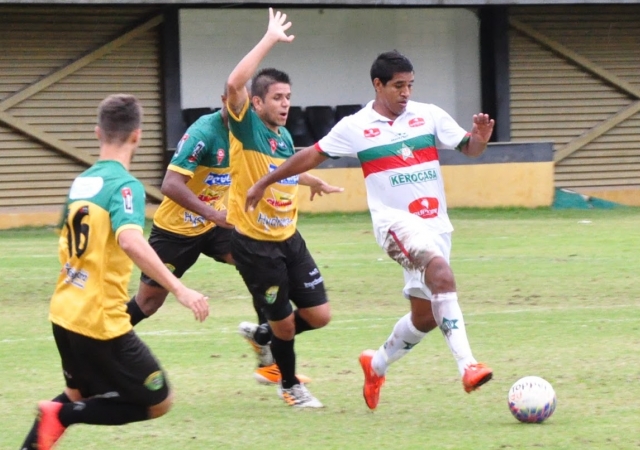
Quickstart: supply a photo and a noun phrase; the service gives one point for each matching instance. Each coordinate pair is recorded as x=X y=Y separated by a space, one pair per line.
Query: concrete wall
x=330 y=58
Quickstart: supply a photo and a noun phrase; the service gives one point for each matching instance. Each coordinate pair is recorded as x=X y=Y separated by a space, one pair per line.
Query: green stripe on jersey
x=383 y=151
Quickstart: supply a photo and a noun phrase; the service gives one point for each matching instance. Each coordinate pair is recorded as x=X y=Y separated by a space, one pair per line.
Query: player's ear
x=135 y=136
x=98 y=132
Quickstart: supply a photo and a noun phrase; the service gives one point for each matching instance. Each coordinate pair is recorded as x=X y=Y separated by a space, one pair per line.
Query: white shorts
x=412 y=245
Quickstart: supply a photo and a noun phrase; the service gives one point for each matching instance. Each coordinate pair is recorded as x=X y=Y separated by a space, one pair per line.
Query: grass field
x=548 y=293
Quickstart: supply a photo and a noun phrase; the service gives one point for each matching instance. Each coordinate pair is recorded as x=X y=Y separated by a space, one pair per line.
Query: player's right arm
x=237 y=94
x=175 y=187
x=300 y=162
x=133 y=243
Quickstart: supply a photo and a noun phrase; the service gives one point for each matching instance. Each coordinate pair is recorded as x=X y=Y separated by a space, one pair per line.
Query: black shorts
x=122 y=369
x=180 y=252
x=278 y=272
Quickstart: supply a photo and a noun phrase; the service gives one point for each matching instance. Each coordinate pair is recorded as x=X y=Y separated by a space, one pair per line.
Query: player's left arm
x=479 y=136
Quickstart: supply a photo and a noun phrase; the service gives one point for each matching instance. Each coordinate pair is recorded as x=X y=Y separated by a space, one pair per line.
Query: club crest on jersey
x=425 y=207
x=180 y=144
x=220 y=156
x=405 y=151
x=371 y=132
x=195 y=154
x=416 y=122
x=273 y=144
x=127 y=200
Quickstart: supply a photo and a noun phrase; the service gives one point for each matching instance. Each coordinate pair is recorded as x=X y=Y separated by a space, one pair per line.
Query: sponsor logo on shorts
x=421 y=176
x=271 y=295
x=155 y=381
x=425 y=207
x=171 y=267
x=274 y=222
x=127 y=200
x=314 y=272
x=292 y=181
x=313 y=283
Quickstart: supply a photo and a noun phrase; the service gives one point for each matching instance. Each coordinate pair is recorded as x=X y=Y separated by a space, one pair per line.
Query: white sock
x=448 y=315
x=402 y=339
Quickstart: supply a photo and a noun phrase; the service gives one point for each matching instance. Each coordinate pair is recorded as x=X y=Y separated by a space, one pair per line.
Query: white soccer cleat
x=263 y=352
x=299 y=396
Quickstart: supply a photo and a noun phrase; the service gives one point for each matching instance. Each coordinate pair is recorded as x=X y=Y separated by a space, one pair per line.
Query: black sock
x=133 y=309
x=102 y=411
x=285 y=357
x=301 y=324
x=31 y=441
x=263 y=334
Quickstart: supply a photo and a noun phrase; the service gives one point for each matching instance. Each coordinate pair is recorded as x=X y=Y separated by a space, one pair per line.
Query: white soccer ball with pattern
x=532 y=399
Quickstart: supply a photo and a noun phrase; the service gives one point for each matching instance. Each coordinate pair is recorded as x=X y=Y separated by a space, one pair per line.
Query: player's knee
x=161 y=408
x=438 y=276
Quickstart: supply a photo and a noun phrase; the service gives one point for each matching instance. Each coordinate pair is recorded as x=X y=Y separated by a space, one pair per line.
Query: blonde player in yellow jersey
x=110 y=374
x=270 y=254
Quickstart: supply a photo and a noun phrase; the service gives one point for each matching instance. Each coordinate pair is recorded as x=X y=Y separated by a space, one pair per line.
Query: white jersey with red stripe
x=399 y=159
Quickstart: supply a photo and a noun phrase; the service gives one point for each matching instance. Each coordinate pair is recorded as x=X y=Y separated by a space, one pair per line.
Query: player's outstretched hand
x=323 y=188
x=196 y=302
x=219 y=218
x=482 y=127
x=254 y=194
x=278 y=26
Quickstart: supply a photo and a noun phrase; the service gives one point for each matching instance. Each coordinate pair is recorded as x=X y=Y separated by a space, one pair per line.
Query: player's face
x=393 y=96
x=275 y=107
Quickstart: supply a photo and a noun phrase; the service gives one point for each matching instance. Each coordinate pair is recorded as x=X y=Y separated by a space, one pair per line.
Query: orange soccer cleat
x=372 y=381
x=271 y=375
x=475 y=375
x=49 y=427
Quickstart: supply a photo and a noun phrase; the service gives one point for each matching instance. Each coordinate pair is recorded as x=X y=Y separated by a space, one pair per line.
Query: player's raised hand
x=278 y=26
x=195 y=301
x=482 y=127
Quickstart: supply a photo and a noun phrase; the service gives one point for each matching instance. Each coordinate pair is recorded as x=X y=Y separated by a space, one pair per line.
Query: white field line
x=341 y=323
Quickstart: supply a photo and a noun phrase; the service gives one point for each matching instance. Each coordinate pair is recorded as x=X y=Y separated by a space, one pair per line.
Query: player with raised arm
x=270 y=254
x=395 y=140
x=111 y=376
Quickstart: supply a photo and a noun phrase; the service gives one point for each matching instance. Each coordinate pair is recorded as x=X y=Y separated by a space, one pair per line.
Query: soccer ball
x=532 y=399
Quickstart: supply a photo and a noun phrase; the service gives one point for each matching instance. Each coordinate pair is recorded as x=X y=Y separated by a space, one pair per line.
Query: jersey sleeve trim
x=322 y=152
x=180 y=170
x=463 y=142
x=129 y=226
x=242 y=113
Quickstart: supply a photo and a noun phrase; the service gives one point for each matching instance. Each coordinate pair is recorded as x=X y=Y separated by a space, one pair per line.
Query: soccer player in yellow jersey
x=111 y=376
x=270 y=254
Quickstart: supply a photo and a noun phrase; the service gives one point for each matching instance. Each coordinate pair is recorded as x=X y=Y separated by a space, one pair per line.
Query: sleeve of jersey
x=448 y=132
x=336 y=143
x=126 y=208
x=189 y=153
x=241 y=126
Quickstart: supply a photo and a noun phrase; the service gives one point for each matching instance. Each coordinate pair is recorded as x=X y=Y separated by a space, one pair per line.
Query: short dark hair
x=118 y=116
x=388 y=64
x=264 y=79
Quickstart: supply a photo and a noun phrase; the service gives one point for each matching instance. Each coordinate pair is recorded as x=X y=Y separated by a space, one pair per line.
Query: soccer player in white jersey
x=395 y=140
